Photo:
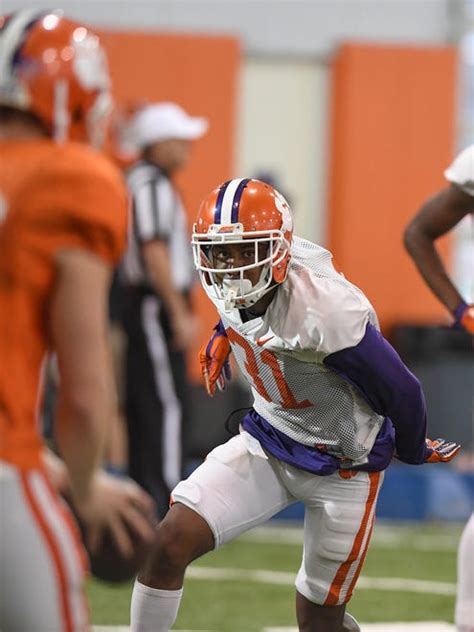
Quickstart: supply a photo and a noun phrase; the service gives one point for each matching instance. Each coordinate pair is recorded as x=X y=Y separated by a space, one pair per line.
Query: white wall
x=304 y=27
x=282 y=129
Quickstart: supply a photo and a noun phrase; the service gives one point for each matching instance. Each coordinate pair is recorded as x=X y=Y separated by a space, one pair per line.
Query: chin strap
x=229 y=302
x=234 y=288
x=61 y=120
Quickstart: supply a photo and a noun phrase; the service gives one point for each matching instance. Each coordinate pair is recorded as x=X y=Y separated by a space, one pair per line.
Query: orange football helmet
x=56 y=69
x=243 y=211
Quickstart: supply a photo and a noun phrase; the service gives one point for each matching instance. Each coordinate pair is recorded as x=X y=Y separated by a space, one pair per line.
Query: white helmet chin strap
x=62 y=117
x=241 y=293
x=231 y=288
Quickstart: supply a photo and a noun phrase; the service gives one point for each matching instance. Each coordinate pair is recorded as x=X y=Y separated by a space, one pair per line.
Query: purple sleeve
x=376 y=370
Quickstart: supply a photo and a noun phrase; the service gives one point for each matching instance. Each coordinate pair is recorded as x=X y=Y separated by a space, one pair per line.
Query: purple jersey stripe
x=236 y=202
x=220 y=197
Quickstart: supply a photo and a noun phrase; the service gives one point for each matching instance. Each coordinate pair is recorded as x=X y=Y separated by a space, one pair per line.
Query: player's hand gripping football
x=441 y=451
x=119 y=505
x=214 y=359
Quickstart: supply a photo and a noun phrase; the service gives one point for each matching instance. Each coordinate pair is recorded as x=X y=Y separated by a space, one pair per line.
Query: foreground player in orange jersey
x=63 y=216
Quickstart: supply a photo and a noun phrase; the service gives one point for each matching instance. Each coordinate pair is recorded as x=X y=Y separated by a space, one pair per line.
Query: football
x=107 y=562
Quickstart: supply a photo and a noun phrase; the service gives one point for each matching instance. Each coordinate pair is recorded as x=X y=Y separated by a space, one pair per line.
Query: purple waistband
x=310 y=458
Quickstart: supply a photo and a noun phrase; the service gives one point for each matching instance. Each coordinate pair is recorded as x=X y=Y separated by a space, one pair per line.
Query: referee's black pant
x=155 y=398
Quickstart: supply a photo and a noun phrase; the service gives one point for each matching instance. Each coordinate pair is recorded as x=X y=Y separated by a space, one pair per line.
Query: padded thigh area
x=234 y=489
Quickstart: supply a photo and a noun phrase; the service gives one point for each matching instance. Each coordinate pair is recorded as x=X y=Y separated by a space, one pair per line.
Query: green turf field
x=227 y=591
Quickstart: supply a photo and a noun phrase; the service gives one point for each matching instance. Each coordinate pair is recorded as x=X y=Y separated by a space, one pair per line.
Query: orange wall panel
x=201 y=74
x=392 y=136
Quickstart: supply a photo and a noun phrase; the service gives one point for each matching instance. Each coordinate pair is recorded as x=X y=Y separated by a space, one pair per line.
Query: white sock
x=152 y=609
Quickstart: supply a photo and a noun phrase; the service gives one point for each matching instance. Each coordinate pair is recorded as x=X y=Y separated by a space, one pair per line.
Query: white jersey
x=314 y=313
x=461 y=171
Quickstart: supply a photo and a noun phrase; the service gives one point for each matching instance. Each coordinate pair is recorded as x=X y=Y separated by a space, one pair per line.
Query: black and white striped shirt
x=157 y=213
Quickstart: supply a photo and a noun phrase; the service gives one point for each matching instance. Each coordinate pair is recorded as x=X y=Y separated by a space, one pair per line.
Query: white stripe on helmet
x=226 y=208
x=11 y=37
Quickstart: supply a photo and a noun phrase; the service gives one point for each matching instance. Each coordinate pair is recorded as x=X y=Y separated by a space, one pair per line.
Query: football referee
x=158 y=273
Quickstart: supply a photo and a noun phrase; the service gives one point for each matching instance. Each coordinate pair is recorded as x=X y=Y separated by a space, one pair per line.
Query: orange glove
x=464 y=316
x=214 y=360
x=441 y=451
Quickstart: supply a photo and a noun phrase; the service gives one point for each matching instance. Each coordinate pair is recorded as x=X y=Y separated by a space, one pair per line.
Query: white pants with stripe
x=239 y=486
x=41 y=560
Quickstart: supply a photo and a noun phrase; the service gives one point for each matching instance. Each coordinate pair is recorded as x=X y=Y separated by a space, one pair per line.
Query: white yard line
x=427 y=626
x=287 y=579
x=407 y=585
x=125 y=628
x=384 y=537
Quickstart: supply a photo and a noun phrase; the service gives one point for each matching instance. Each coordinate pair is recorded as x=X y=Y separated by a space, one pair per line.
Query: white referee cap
x=164 y=121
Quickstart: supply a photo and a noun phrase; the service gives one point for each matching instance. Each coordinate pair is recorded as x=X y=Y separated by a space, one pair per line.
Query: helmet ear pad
x=281 y=269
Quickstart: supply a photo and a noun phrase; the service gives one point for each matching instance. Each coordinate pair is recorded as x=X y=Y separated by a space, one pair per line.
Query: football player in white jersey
x=437 y=216
x=333 y=403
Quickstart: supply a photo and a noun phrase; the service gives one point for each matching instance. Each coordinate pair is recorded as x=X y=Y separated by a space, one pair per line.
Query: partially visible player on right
x=437 y=216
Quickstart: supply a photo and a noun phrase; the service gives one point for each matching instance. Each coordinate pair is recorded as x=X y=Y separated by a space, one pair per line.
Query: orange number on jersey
x=251 y=362
x=288 y=399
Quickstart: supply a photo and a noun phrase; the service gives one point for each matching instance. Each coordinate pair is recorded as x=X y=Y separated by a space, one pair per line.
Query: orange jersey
x=52 y=197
